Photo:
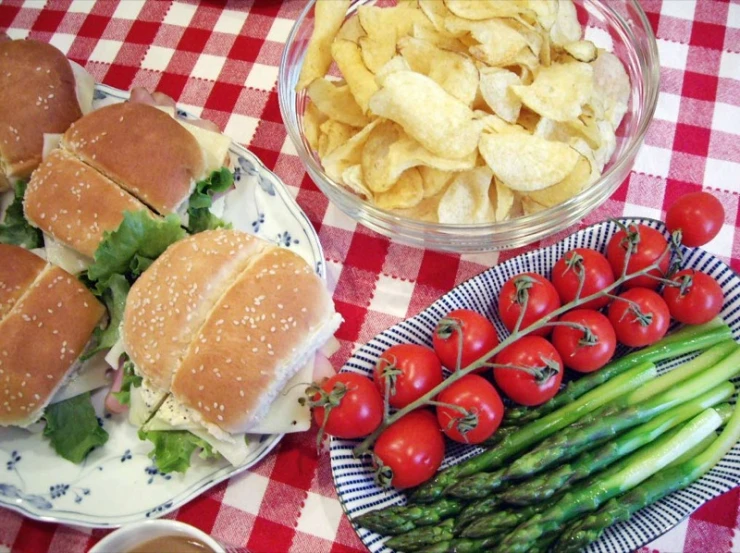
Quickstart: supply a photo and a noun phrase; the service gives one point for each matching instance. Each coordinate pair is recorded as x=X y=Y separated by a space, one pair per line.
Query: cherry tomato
x=652 y=244
x=697 y=301
x=360 y=408
x=410 y=450
x=532 y=352
x=478 y=335
x=640 y=321
x=485 y=410
x=580 y=352
x=542 y=300
x=419 y=368
x=596 y=271
x=699 y=217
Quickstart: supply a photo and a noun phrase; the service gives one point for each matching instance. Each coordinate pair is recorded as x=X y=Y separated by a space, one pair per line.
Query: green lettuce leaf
x=115 y=301
x=132 y=247
x=130 y=378
x=72 y=428
x=200 y=217
x=15 y=229
x=173 y=449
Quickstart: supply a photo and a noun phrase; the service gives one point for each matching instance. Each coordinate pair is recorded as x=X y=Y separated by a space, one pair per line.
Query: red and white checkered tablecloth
x=220 y=61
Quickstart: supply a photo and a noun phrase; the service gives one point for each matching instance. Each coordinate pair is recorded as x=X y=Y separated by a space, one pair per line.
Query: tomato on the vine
x=409 y=451
x=596 y=273
x=412 y=371
x=478 y=337
x=348 y=406
x=542 y=374
x=650 y=246
x=640 y=317
x=484 y=408
x=585 y=351
x=699 y=217
x=533 y=291
x=696 y=300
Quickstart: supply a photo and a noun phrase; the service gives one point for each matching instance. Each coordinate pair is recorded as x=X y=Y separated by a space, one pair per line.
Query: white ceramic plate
x=118 y=483
x=353 y=477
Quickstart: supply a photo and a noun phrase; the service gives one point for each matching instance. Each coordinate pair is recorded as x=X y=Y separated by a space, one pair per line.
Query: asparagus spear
x=632 y=471
x=625 y=413
x=476 y=510
x=507 y=519
x=422 y=537
x=549 y=483
x=534 y=432
x=667 y=481
x=685 y=340
x=400 y=519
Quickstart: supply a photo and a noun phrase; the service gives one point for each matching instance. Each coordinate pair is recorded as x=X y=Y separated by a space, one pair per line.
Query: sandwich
x=47 y=319
x=41 y=92
x=217 y=332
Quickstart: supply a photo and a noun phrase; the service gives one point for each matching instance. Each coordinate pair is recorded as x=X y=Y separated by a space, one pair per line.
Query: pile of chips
x=460 y=111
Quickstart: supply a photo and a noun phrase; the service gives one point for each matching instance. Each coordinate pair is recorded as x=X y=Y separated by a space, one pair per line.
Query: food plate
x=118 y=483
x=353 y=478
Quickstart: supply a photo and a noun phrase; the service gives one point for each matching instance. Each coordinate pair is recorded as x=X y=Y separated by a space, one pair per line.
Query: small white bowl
x=132 y=535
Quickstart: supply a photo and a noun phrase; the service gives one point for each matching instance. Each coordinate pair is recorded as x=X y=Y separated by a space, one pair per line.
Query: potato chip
x=559 y=91
x=389 y=152
x=530 y=207
x=495 y=87
x=351 y=30
x=436 y=12
x=499 y=44
x=312 y=120
x=528 y=120
x=504 y=200
x=525 y=162
x=546 y=12
x=336 y=102
x=441 y=123
x=333 y=135
x=379 y=46
x=611 y=87
x=484 y=9
x=566 y=28
x=352 y=179
x=396 y=63
x=438 y=39
x=493 y=123
x=361 y=81
x=582 y=50
x=328 y=18
x=466 y=199
x=426 y=210
x=576 y=181
x=348 y=154
x=455 y=73
x=405 y=17
x=434 y=180
x=532 y=36
x=407 y=192
x=608 y=144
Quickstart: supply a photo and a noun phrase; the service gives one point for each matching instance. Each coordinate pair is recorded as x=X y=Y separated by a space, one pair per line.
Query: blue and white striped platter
x=353 y=477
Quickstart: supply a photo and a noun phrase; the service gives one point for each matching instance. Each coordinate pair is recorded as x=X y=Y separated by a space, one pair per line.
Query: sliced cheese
x=93 y=374
x=65 y=257
x=215 y=145
x=114 y=354
x=84 y=87
x=330 y=347
x=235 y=453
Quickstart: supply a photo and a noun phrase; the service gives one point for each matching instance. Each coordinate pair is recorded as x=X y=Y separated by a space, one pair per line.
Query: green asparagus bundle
x=550 y=483
x=674 y=477
x=633 y=470
x=423 y=537
x=536 y=431
x=627 y=412
x=685 y=340
x=400 y=519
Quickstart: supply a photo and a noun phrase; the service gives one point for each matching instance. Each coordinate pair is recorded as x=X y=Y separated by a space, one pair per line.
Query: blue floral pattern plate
x=118 y=483
x=353 y=477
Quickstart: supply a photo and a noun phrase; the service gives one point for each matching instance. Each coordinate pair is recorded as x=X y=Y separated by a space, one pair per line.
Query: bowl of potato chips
x=469 y=125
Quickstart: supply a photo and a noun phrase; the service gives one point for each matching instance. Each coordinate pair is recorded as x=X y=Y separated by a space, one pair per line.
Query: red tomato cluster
x=529 y=371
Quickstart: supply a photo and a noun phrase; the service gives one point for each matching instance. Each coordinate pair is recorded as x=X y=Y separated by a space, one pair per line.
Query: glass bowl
x=617 y=25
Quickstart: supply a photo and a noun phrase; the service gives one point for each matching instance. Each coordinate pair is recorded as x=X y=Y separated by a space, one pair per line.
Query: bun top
x=142 y=149
x=222 y=320
x=18 y=270
x=37 y=96
x=41 y=335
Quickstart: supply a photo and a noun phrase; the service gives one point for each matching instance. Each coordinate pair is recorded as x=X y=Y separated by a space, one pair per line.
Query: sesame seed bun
x=268 y=318
x=74 y=203
x=18 y=270
x=60 y=314
x=142 y=149
x=37 y=96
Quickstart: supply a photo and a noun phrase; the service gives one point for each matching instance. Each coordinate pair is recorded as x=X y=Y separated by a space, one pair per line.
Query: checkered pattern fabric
x=220 y=60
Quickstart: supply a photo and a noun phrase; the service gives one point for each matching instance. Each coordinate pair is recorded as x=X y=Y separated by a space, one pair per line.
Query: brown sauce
x=172 y=544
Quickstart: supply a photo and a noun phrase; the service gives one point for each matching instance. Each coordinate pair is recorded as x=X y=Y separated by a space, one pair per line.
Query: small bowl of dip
x=156 y=536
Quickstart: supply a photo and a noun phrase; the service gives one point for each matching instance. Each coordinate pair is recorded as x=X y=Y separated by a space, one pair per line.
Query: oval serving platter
x=118 y=483
x=353 y=477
